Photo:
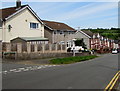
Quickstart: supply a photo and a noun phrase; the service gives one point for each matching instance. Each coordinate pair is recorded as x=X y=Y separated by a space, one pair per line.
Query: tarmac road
x=93 y=74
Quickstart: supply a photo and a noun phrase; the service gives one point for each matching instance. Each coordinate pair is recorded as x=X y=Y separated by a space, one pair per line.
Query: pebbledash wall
x=36 y=51
x=28 y=51
x=25 y=56
x=29 y=56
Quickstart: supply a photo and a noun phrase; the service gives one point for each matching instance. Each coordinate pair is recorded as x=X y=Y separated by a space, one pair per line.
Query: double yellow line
x=113 y=82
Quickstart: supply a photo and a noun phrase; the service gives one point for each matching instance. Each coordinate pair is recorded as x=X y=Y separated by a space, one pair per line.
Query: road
x=93 y=74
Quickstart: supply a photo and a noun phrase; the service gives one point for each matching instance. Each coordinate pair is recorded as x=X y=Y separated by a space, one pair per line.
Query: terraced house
x=21 y=22
x=95 y=40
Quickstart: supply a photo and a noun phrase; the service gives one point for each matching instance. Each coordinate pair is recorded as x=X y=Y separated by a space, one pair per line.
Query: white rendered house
x=20 y=21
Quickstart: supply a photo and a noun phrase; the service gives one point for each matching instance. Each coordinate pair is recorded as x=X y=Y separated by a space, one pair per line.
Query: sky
x=82 y=14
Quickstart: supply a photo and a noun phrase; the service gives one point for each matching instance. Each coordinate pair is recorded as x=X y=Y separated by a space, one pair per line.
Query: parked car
x=77 y=48
x=114 y=51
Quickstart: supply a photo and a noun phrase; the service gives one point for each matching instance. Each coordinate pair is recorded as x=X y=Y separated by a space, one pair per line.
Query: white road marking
x=30 y=68
x=49 y=65
x=17 y=71
x=43 y=67
x=21 y=68
x=25 y=69
x=33 y=69
x=5 y=71
x=46 y=65
x=53 y=65
x=13 y=70
x=39 y=67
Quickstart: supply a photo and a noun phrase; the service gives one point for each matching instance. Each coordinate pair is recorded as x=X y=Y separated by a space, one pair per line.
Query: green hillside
x=113 y=33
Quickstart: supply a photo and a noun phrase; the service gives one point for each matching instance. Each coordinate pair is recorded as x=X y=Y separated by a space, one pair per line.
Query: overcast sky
x=76 y=14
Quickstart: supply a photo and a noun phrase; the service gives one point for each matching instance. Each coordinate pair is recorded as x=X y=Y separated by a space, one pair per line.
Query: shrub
x=69 y=50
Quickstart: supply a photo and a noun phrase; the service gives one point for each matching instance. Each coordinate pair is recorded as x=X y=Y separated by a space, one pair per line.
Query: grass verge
x=69 y=60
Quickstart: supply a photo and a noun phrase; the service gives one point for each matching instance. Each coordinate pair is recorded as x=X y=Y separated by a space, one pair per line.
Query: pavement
x=35 y=61
x=32 y=62
x=92 y=74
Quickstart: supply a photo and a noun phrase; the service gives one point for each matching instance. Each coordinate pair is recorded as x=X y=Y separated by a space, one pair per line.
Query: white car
x=114 y=51
x=77 y=48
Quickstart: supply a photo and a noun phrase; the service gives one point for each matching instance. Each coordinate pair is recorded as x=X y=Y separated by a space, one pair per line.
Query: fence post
x=19 y=48
x=65 y=47
x=36 y=48
x=28 y=47
x=61 y=47
x=50 y=47
x=43 y=48
x=8 y=47
x=56 y=47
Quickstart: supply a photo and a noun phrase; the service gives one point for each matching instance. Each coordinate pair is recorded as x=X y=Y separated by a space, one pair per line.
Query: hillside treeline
x=113 y=33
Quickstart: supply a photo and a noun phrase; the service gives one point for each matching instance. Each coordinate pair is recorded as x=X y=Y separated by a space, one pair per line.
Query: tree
x=80 y=42
x=112 y=33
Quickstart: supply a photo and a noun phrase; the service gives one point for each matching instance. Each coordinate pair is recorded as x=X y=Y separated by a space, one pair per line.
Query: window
x=67 y=44
x=73 y=32
x=61 y=32
x=34 y=25
x=69 y=32
x=55 y=32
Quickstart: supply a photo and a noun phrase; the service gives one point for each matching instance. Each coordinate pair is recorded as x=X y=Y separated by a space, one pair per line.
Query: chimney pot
x=18 y=3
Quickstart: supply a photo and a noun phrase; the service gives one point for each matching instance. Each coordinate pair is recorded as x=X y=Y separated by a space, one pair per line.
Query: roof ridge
x=13 y=7
x=55 y=25
x=54 y=21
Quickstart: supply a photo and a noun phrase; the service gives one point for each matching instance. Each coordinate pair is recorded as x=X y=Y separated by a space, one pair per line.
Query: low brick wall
x=26 y=56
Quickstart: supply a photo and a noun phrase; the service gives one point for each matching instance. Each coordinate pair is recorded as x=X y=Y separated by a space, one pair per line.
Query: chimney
x=18 y=3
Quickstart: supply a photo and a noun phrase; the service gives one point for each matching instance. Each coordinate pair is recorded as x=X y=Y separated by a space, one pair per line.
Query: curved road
x=93 y=74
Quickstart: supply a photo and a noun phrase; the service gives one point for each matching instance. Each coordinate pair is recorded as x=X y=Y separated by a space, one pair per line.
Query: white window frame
x=36 y=26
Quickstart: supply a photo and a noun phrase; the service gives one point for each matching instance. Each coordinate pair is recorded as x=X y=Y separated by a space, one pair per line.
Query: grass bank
x=69 y=60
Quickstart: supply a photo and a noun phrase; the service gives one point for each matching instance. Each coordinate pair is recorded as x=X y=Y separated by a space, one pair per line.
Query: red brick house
x=98 y=42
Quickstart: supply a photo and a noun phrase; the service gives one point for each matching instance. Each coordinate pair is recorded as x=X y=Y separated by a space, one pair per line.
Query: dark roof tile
x=58 y=26
x=88 y=32
x=6 y=12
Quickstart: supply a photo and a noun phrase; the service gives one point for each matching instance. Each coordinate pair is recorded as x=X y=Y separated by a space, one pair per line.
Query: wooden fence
x=33 y=48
